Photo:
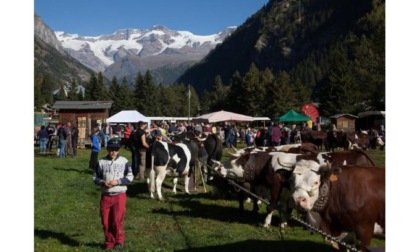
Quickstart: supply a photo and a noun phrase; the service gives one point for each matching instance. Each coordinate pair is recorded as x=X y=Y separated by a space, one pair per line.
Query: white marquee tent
x=128 y=116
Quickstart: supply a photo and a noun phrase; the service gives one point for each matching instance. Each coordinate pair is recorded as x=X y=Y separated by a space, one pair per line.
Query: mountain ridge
x=128 y=51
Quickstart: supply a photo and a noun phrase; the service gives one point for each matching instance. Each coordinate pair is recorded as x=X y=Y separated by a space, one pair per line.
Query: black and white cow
x=168 y=159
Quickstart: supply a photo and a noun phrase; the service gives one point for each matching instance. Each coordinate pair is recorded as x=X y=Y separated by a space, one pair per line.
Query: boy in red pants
x=113 y=173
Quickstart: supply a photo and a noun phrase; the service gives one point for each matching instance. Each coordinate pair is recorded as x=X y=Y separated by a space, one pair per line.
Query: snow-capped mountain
x=128 y=51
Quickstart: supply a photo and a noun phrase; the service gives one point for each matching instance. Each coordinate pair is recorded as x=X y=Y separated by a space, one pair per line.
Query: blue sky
x=98 y=17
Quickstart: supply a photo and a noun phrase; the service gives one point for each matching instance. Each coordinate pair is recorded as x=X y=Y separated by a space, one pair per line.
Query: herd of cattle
x=339 y=191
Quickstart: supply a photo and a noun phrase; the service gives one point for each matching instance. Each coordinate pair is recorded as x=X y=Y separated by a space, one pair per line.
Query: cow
x=212 y=144
x=283 y=163
x=318 y=138
x=253 y=170
x=346 y=198
x=168 y=159
x=337 y=138
x=359 y=140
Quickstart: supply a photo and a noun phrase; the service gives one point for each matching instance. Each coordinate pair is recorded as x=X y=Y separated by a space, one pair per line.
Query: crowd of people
x=64 y=135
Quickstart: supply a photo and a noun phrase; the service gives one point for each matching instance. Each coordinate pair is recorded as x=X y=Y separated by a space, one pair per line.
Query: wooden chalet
x=87 y=114
x=345 y=122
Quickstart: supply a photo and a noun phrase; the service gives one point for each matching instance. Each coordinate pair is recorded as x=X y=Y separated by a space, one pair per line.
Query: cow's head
x=305 y=182
x=233 y=173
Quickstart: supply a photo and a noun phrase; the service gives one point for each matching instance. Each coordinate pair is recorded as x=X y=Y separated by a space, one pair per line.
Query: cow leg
x=187 y=182
x=241 y=199
x=151 y=185
x=364 y=234
x=274 y=196
x=161 y=173
x=175 y=183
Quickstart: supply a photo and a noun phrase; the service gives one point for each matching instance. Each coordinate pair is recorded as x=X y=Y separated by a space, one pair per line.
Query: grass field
x=67 y=216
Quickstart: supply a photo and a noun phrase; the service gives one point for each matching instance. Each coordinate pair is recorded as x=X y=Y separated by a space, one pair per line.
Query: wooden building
x=345 y=122
x=87 y=114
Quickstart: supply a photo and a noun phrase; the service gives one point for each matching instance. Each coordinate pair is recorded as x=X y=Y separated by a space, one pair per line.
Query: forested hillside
x=291 y=52
x=54 y=69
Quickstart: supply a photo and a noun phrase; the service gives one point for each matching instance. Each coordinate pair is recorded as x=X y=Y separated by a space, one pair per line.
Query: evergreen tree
x=341 y=93
x=206 y=101
x=219 y=94
x=38 y=99
x=72 y=93
x=254 y=92
x=101 y=90
x=302 y=93
x=266 y=80
x=235 y=96
x=61 y=96
x=138 y=85
x=147 y=97
x=124 y=98
x=280 y=93
x=47 y=88
x=112 y=92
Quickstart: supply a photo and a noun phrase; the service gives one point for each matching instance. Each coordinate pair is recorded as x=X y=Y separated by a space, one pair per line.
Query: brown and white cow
x=347 y=199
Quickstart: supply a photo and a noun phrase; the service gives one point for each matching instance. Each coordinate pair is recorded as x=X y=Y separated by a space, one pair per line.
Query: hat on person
x=158 y=133
x=113 y=143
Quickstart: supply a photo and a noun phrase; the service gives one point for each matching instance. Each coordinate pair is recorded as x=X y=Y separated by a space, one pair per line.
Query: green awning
x=293 y=116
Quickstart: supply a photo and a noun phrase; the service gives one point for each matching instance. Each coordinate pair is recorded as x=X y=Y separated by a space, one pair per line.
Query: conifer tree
x=61 y=96
x=72 y=93
x=138 y=85
x=219 y=94
x=38 y=99
x=147 y=97
x=124 y=97
x=253 y=92
x=47 y=88
x=281 y=95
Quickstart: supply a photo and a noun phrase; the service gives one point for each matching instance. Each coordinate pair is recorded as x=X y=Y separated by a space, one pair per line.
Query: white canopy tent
x=222 y=116
x=128 y=116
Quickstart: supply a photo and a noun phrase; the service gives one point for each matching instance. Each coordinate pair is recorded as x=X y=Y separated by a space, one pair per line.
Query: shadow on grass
x=197 y=209
x=84 y=171
x=267 y=246
x=64 y=239
x=137 y=190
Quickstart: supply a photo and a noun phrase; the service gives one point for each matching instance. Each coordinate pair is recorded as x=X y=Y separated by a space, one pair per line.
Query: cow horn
x=234 y=149
x=329 y=164
x=234 y=154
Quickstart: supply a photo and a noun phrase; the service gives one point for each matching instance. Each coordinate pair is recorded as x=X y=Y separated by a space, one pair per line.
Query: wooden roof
x=343 y=115
x=82 y=105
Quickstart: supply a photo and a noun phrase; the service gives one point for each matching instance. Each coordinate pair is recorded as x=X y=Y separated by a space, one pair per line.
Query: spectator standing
x=42 y=136
x=127 y=133
x=69 y=147
x=284 y=134
x=172 y=128
x=117 y=130
x=142 y=148
x=113 y=173
x=62 y=136
x=96 y=147
x=106 y=133
x=74 y=138
x=202 y=157
x=293 y=134
x=275 y=134
x=51 y=135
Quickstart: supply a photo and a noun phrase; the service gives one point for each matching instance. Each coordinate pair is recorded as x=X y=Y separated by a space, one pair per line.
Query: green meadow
x=66 y=212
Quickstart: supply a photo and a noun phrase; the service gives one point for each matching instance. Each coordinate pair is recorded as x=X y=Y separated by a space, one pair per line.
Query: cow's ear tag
x=333 y=177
